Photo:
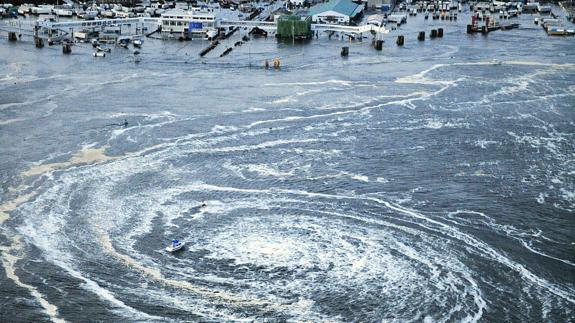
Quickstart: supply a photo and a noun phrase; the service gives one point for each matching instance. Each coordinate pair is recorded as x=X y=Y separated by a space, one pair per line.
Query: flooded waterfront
x=430 y=182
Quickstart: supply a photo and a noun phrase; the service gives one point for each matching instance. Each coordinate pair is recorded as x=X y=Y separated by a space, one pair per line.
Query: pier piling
x=38 y=42
x=440 y=32
x=12 y=36
x=378 y=44
x=433 y=33
x=345 y=51
x=209 y=48
x=421 y=36
x=226 y=52
x=66 y=49
x=400 y=40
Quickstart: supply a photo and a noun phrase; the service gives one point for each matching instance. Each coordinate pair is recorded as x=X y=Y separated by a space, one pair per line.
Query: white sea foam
x=321 y=83
x=10 y=121
x=5 y=106
x=482 y=143
x=294 y=97
x=267 y=170
x=253 y=110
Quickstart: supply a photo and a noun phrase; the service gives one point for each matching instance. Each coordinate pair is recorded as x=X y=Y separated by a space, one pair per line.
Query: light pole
x=293 y=32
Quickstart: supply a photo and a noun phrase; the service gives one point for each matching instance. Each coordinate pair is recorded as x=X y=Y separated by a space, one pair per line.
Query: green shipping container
x=290 y=26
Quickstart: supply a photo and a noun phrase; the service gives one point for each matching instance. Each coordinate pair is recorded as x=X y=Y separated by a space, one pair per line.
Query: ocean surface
x=433 y=182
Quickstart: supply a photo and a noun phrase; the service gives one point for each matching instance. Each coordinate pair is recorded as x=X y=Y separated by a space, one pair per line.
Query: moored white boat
x=41 y=10
x=24 y=9
x=89 y=14
x=63 y=12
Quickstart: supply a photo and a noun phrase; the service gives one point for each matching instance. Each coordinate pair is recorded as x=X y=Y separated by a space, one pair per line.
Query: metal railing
x=248 y=23
x=348 y=29
x=95 y=23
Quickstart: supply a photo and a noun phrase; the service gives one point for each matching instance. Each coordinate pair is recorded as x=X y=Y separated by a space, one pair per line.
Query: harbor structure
x=294 y=27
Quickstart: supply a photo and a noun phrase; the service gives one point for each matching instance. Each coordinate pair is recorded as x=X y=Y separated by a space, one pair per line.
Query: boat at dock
x=89 y=15
x=397 y=18
x=512 y=13
x=376 y=20
x=63 y=12
x=24 y=9
x=490 y=25
x=41 y=10
x=543 y=8
x=509 y=26
x=559 y=31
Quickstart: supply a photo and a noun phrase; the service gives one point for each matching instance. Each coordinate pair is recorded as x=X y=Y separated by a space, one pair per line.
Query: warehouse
x=341 y=12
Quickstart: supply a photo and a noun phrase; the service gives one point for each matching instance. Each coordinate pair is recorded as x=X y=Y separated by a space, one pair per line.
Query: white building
x=183 y=21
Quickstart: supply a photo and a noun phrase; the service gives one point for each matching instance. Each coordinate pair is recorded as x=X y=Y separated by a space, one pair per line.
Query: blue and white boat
x=175 y=246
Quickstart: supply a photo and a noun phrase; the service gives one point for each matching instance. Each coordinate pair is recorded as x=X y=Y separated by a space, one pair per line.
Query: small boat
x=100 y=49
x=89 y=14
x=24 y=9
x=137 y=43
x=175 y=246
x=99 y=54
x=556 y=31
x=63 y=12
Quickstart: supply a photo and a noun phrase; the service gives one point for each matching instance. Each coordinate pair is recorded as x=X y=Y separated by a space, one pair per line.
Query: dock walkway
x=69 y=26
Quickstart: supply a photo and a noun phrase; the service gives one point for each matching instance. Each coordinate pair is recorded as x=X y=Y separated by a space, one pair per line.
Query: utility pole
x=293 y=32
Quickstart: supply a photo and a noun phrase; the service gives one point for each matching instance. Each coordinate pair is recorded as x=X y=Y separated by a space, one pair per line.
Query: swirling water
x=425 y=183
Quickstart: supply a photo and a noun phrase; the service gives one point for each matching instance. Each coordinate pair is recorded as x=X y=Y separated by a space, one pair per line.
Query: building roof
x=344 y=7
